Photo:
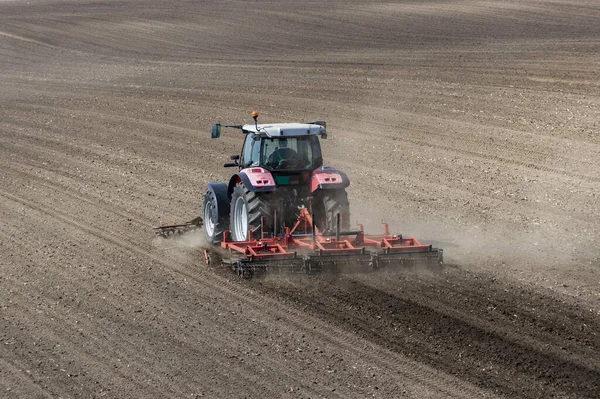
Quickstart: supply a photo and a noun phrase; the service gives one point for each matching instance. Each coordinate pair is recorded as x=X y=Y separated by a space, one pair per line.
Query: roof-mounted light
x=323 y=131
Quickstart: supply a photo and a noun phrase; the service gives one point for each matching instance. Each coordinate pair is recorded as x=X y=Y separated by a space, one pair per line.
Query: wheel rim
x=241 y=220
x=209 y=220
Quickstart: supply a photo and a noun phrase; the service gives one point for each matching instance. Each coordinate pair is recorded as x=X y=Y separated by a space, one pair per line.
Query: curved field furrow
x=437 y=383
x=472 y=125
x=408 y=315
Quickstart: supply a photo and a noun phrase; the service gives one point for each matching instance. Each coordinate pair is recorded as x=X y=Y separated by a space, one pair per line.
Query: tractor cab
x=280 y=146
x=281 y=153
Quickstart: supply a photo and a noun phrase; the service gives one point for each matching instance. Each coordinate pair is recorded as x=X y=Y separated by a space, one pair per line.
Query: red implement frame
x=305 y=238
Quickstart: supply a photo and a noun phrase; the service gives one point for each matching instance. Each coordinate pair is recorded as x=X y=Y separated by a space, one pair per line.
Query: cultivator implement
x=304 y=249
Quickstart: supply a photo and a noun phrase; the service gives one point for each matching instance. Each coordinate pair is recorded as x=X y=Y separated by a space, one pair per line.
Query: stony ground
x=474 y=125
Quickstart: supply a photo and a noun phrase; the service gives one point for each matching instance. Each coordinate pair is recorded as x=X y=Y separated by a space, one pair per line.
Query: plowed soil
x=473 y=125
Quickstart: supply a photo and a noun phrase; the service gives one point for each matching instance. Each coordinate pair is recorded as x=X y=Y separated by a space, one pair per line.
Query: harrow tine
x=337 y=264
x=247 y=268
x=394 y=261
x=178 y=229
x=341 y=263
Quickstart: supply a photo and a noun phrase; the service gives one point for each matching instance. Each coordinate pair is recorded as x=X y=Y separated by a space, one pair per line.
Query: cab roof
x=276 y=130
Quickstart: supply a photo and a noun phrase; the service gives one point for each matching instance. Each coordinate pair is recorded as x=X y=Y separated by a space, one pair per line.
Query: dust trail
x=473 y=245
x=189 y=248
x=193 y=239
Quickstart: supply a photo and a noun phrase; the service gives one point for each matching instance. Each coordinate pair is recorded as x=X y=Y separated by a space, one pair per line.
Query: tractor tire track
x=391 y=361
x=103 y=333
x=104 y=119
x=410 y=316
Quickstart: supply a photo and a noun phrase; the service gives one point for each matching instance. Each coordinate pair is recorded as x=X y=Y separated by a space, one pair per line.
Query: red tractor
x=280 y=171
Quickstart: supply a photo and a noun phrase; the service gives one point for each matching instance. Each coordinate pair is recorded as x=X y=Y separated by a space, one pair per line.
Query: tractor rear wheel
x=334 y=202
x=250 y=211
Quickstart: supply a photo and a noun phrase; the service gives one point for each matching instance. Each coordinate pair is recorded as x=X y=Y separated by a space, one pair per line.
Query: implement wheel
x=248 y=209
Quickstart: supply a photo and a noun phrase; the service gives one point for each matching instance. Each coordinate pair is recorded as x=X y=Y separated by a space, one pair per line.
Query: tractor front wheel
x=250 y=212
x=214 y=225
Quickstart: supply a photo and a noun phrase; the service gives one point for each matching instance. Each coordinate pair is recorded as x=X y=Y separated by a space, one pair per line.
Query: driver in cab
x=283 y=157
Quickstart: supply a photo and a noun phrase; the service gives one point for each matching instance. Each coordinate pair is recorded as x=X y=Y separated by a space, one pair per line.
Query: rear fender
x=258 y=180
x=328 y=178
x=220 y=191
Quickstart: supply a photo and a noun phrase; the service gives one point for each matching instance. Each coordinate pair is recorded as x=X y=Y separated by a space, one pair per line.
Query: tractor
x=279 y=171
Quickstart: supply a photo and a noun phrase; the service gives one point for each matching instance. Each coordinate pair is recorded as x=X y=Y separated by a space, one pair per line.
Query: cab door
x=246 y=155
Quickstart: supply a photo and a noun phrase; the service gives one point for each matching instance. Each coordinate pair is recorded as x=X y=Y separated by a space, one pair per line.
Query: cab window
x=247 y=150
x=255 y=157
x=291 y=153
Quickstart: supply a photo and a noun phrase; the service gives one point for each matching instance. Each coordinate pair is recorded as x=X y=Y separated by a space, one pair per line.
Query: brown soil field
x=472 y=125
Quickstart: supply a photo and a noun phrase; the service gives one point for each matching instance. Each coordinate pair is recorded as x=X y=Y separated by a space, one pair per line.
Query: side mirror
x=216 y=131
x=323 y=135
x=234 y=157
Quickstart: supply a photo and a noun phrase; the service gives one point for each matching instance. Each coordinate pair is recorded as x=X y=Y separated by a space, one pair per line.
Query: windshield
x=291 y=153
